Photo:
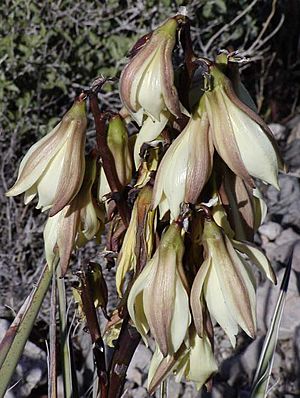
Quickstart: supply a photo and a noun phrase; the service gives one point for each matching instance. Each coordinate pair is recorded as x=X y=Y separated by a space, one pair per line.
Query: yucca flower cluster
x=181 y=200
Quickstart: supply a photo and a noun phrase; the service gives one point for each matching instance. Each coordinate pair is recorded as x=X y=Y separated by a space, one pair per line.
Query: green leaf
x=14 y=341
x=264 y=368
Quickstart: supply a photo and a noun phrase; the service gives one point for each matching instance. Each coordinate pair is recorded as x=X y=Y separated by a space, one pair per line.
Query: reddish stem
x=108 y=161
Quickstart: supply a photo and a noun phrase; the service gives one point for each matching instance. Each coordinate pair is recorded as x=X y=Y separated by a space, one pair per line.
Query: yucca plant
x=180 y=200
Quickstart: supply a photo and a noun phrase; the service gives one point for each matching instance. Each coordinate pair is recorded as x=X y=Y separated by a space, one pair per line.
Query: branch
x=108 y=159
x=94 y=329
x=225 y=27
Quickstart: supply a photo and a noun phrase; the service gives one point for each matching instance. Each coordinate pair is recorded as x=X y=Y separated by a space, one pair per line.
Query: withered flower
x=147 y=81
x=54 y=167
x=143 y=219
x=226 y=283
x=75 y=224
x=158 y=299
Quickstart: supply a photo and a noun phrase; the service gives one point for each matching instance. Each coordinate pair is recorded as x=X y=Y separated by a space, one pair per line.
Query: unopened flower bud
x=117 y=141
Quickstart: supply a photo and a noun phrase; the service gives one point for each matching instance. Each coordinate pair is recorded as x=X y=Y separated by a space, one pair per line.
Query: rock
x=31 y=369
x=296 y=257
x=271 y=230
x=291 y=154
x=280 y=249
x=139 y=392
x=141 y=358
x=175 y=389
x=286 y=202
x=294 y=125
x=278 y=130
x=135 y=375
x=267 y=296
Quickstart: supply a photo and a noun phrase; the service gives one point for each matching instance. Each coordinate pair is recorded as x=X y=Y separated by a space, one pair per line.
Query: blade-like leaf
x=264 y=368
x=16 y=336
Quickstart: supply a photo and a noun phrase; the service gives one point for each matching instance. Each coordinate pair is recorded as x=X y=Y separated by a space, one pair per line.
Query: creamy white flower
x=226 y=284
x=158 y=299
x=75 y=224
x=185 y=168
x=54 y=167
x=240 y=136
x=193 y=362
x=147 y=81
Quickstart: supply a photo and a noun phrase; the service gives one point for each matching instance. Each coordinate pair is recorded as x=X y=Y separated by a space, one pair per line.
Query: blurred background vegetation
x=49 y=50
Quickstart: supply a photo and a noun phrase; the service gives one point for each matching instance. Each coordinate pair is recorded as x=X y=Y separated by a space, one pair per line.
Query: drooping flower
x=186 y=166
x=193 y=362
x=75 y=224
x=147 y=81
x=54 y=167
x=158 y=299
x=240 y=136
x=226 y=284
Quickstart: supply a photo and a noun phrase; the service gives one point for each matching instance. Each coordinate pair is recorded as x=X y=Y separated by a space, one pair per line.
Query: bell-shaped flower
x=193 y=362
x=142 y=220
x=240 y=136
x=75 y=224
x=147 y=81
x=226 y=283
x=186 y=166
x=54 y=167
x=198 y=363
x=158 y=299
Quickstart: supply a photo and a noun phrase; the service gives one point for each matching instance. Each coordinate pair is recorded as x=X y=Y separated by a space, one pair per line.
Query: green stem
x=65 y=347
x=24 y=328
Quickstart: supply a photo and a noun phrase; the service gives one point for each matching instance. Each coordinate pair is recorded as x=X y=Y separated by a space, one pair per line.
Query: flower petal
x=181 y=316
x=257 y=257
x=257 y=151
x=150 y=130
x=38 y=157
x=218 y=306
x=200 y=158
x=73 y=168
x=224 y=133
x=202 y=362
x=196 y=293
